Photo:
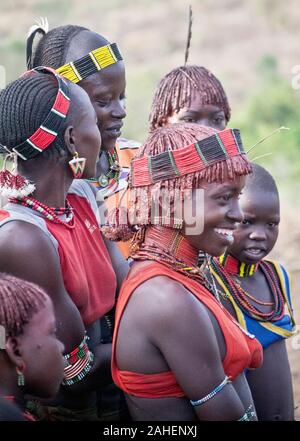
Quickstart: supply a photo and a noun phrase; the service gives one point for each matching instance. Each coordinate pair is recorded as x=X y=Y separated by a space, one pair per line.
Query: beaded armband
x=211 y=394
x=79 y=364
x=248 y=415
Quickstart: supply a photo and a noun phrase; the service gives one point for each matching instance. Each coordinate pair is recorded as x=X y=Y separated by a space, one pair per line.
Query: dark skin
x=209 y=115
x=39 y=350
x=53 y=177
x=150 y=341
x=271 y=384
x=105 y=88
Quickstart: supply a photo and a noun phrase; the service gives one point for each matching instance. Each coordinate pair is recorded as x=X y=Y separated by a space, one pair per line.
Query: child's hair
x=175 y=91
x=19 y=301
x=261 y=179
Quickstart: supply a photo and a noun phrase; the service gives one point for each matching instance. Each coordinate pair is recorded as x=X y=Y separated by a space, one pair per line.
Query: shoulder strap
x=284 y=280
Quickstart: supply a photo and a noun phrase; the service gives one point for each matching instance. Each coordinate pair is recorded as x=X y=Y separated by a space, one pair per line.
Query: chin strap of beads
x=79 y=364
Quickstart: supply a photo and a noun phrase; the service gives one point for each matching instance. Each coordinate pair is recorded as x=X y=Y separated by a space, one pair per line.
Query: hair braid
x=24 y=104
x=53 y=46
x=175 y=91
x=19 y=301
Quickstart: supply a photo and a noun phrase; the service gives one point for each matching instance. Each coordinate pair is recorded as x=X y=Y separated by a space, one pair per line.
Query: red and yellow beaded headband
x=91 y=63
x=48 y=130
x=194 y=158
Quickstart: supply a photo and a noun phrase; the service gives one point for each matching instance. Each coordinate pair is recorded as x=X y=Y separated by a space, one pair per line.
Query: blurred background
x=252 y=47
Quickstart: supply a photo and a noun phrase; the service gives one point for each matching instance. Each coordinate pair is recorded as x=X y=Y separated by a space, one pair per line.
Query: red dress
x=242 y=351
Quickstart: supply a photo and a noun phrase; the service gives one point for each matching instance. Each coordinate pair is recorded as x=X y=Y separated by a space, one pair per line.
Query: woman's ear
x=69 y=138
x=13 y=350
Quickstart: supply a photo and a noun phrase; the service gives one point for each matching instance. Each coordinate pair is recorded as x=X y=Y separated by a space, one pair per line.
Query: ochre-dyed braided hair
x=176 y=90
x=19 y=301
x=141 y=198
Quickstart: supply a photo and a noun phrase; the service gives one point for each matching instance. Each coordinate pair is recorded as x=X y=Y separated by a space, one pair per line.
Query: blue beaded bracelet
x=211 y=394
x=248 y=415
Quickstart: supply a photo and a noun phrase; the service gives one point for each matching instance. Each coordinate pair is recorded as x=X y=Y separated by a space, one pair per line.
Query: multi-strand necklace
x=167 y=246
x=242 y=297
x=111 y=178
x=171 y=249
x=50 y=213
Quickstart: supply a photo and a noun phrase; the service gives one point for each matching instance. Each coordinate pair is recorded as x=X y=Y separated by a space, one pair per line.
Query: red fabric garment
x=241 y=351
x=86 y=267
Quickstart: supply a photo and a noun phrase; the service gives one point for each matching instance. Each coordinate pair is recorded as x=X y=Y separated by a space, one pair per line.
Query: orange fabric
x=241 y=351
x=126 y=150
x=86 y=267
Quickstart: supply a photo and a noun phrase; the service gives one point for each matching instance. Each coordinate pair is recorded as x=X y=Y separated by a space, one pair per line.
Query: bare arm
x=26 y=252
x=180 y=327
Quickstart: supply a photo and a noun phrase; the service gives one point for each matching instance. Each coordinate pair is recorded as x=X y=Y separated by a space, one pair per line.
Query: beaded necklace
x=111 y=178
x=47 y=212
x=171 y=249
x=234 y=267
x=241 y=297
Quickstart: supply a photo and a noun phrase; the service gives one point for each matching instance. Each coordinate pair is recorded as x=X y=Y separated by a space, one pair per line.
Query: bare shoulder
x=27 y=252
x=20 y=237
x=163 y=301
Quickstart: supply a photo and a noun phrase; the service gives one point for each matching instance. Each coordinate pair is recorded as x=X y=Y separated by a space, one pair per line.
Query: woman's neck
x=52 y=184
x=173 y=243
x=8 y=384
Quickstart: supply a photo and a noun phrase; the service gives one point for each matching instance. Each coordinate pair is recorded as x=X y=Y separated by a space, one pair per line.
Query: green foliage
x=273 y=104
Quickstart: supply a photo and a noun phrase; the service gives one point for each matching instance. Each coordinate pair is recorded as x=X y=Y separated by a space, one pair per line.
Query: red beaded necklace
x=171 y=249
x=241 y=297
x=47 y=212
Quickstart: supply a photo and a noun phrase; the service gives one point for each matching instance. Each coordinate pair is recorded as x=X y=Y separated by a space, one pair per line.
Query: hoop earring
x=77 y=165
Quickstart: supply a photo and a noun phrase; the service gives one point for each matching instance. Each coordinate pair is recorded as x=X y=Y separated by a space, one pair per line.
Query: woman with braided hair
x=177 y=353
x=49 y=231
x=31 y=361
x=96 y=65
x=191 y=94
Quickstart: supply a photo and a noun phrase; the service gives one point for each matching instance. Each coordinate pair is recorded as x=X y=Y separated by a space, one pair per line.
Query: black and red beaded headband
x=194 y=158
x=48 y=130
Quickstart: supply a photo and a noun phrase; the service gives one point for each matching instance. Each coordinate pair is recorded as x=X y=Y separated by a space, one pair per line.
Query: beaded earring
x=20 y=375
x=13 y=184
x=77 y=166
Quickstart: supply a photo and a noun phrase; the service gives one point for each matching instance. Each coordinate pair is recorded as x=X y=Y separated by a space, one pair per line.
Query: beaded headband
x=172 y=164
x=91 y=63
x=48 y=130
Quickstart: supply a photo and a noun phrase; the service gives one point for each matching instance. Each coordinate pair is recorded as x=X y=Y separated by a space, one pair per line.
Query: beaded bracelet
x=78 y=353
x=211 y=394
x=79 y=370
x=79 y=363
x=248 y=415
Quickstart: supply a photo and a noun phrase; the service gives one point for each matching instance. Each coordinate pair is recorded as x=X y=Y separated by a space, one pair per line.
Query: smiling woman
x=166 y=302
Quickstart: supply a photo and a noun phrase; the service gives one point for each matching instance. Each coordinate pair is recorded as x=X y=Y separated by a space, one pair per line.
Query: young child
x=257 y=292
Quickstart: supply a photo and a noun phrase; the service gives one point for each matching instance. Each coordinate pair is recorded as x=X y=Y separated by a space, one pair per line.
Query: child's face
x=256 y=235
